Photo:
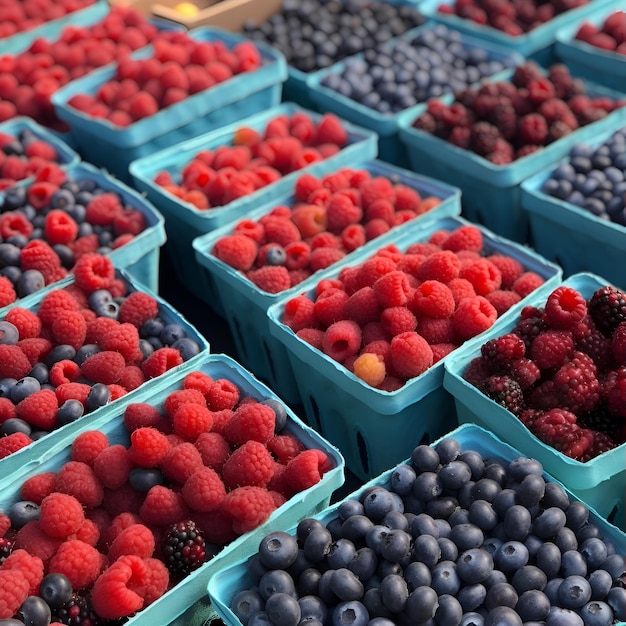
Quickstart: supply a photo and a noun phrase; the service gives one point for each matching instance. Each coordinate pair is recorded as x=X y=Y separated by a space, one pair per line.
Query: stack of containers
x=30 y=455
x=245 y=306
x=184 y=222
x=140 y=256
x=376 y=429
x=115 y=147
x=491 y=193
x=571 y=235
x=599 y=482
x=110 y=422
x=240 y=576
x=386 y=125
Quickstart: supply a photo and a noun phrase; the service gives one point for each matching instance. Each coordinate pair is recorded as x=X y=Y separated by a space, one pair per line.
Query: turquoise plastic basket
x=245 y=306
x=537 y=44
x=184 y=222
x=32 y=454
x=376 y=429
x=236 y=577
x=602 y=66
x=600 y=482
x=390 y=148
x=114 y=148
x=140 y=256
x=491 y=193
x=51 y=30
x=571 y=236
x=111 y=423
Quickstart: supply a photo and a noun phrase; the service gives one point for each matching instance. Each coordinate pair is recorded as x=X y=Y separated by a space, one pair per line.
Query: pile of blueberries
x=594 y=179
x=452 y=538
x=402 y=73
x=313 y=34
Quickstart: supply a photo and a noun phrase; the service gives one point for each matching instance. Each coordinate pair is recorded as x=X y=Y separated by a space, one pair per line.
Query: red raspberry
x=161 y=361
x=14 y=589
x=341 y=211
x=69 y=328
x=123 y=338
x=93 y=271
x=103 y=367
x=12 y=443
x=13 y=362
x=300 y=312
x=397 y=320
x=392 y=289
x=112 y=466
x=176 y=399
x=26 y=321
x=271 y=278
x=136 y=539
x=249 y=507
x=558 y=428
x=565 y=307
x=32 y=539
x=137 y=308
x=72 y=391
x=502 y=300
x=223 y=394
x=576 y=384
x=88 y=445
x=510 y=269
x=141 y=414
x=253 y=421
x=250 y=464
x=31 y=566
x=191 y=420
x=214 y=450
x=148 y=447
x=39 y=409
x=61 y=515
x=342 y=340
x=162 y=507
x=325 y=256
x=307 y=469
x=181 y=462
x=238 y=251
x=527 y=283
x=329 y=129
x=79 y=480
x=285 y=447
x=532 y=129
x=434 y=299
x=473 y=316
x=614 y=391
x=37 y=487
x=464 y=238
x=551 y=348
x=484 y=275
x=443 y=266
x=362 y=306
x=204 y=490
x=410 y=354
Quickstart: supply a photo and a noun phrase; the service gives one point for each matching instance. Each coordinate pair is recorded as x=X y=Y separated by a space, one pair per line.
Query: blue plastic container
x=602 y=66
x=570 y=235
x=111 y=423
x=51 y=30
x=245 y=306
x=31 y=455
x=376 y=429
x=140 y=256
x=390 y=148
x=237 y=577
x=600 y=482
x=184 y=222
x=114 y=148
x=491 y=193
x=537 y=44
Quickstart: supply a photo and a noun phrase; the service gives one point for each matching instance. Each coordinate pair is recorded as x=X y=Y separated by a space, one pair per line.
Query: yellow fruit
x=188 y=9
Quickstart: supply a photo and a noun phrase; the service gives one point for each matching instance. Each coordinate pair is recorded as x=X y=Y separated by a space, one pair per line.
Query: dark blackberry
x=77 y=612
x=484 y=136
x=528 y=328
x=505 y=391
x=499 y=353
x=6 y=547
x=184 y=549
x=607 y=307
x=601 y=419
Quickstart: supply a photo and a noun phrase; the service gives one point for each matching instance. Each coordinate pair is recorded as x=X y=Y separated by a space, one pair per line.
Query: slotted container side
x=386 y=125
x=114 y=147
x=492 y=193
x=570 y=235
x=51 y=30
x=537 y=44
x=600 y=482
x=245 y=306
x=602 y=66
x=236 y=577
x=111 y=422
x=31 y=456
x=376 y=429
x=184 y=222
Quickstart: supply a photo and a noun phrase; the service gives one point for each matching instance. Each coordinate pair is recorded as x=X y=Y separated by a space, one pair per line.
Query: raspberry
x=558 y=428
x=249 y=507
x=37 y=487
x=564 y=308
x=148 y=446
x=238 y=251
x=79 y=561
x=527 y=283
x=392 y=289
x=59 y=228
x=191 y=420
x=122 y=338
x=114 y=593
x=500 y=353
x=38 y=255
x=510 y=269
x=325 y=256
x=341 y=340
x=162 y=506
x=30 y=566
x=14 y=588
x=396 y=320
x=341 y=212
x=112 y=466
x=307 y=469
x=464 y=238
x=93 y=271
x=136 y=539
x=614 y=391
x=223 y=394
x=204 y=490
x=532 y=129
x=370 y=368
x=434 y=299
x=61 y=515
x=181 y=462
x=280 y=230
x=13 y=362
x=410 y=354
x=250 y=464
x=141 y=414
x=138 y=307
x=39 y=409
x=607 y=307
x=176 y=399
x=329 y=129
x=161 y=361
x=271 y=278
x=26 y=321
x=103 y=367
x=253 y=421
x=484 y=137
x=79 y=480
x=31 y=538
x=576 y=384
x=473 y=316
x=551 y=348
x=362 y=306
x=484 y=275
x=443 y=266
x=88 y=445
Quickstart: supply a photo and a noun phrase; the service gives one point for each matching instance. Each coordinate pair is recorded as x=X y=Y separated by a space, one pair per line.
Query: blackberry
x=6 y=547
x=607 y=307
x=505 y=391
x=529 y=327
x=185 y=549
x=77 y=611
x=601 y=419
x=500 y=353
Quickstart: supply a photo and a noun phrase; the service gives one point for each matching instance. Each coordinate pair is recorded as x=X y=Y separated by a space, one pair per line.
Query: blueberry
x=171 y=333
x=491 y=544
x=283 y=610
x=55 y=589
x=60 y=352
x=66 y=255
x=85 y=351
x=276 y=581
x=517 y=522
x=9 y=334
x=62 y=199
x=151 y=328
x=341 y=553
x=35 y=611
x=351 y=612
x=14 y=197
x=566 y=539
x=15 y=425
x=472 y=618
x=548 y=558
x=501 y=594
x=529 y=577
x=69 y=412
x=12 y=273
x=576 y=515
x=99 y=395
x=395 y=592
x=146 y=348
x=449 y=612
x=23 y=388
x=279 y=410
x=563 y=617
x=483 y=515
x=574 y=592
x=278 y=549
x=306 y=526
x=30 y=281
x=600 y=582
x=427 y=486
x=448 y=450
x=364 y=563
x=445 y=578
x=614 y=565
x=6 y=384
x=426 y=550
x=424 y=458
x=22 y=512
x=397 y=521
x=455 y=474
x=616 y=599
x=103 y=307
x=510 y=556
x=442 y=507
x=40 y=372
x=533 y=605
x=402 y=479
x=421 y=604
x=187 y=347
x=549 y=522
x=467 y=536
x=487 y=489
x=502 y=616
x=496 y=471
x=573 y=563
x=395 y=545
x=474 y=565
x=377 y=502
x=597 y=613
x=472 y=597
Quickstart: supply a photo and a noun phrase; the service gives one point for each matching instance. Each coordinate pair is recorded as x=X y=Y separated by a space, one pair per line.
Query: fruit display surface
x=464 y=531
